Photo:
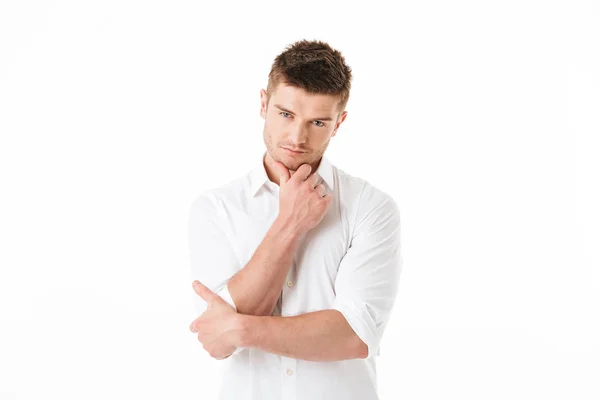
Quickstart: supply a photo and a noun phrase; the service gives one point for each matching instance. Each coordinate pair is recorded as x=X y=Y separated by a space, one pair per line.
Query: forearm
x=317 y=336
x=256 y=288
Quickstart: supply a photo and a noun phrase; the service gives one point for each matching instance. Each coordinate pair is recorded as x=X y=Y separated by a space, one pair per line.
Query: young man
x=296 y=264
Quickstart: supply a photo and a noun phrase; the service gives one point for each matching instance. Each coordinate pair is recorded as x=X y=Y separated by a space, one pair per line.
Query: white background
x=480 y=118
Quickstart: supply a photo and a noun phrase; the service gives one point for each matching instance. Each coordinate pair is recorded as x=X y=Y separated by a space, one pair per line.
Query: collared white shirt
x=350 y=262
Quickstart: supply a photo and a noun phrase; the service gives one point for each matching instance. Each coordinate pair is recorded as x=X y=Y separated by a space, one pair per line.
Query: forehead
x=302 y=102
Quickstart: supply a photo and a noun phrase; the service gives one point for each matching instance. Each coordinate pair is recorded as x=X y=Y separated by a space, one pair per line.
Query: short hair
x=313 y=66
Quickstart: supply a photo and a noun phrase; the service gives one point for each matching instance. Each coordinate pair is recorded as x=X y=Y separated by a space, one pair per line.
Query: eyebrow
x=291 y=112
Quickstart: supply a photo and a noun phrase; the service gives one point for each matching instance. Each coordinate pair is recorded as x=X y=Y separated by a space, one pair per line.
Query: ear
x=337 y=125
x=264 y=100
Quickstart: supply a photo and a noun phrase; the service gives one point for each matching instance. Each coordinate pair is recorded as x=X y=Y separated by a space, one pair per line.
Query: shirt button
x=289 y=283
x=289 y=371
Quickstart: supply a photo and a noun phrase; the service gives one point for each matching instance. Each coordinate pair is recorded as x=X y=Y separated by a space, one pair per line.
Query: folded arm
x=366 y=286
x=253 y=289
x=316 y=336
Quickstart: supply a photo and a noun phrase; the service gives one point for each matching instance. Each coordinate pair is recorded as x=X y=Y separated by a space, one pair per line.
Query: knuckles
x=211 y=352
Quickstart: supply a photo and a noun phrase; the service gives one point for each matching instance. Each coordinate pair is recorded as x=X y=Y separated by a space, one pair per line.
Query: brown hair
x=313 y=66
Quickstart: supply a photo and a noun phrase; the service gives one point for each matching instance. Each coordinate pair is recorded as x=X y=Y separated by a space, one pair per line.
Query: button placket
x=287 y=290
x=289 y=375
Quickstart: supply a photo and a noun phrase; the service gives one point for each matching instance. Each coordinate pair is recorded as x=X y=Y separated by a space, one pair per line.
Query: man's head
x=304 y=104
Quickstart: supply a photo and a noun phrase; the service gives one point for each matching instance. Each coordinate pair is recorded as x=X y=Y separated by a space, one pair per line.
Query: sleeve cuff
x=362 y=323
x=225 y=295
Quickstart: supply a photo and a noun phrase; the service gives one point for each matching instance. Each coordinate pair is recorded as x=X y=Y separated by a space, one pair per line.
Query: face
x=298 y=120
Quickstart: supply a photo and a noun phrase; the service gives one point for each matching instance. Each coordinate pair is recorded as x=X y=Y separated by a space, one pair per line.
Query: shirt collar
x=258 y=175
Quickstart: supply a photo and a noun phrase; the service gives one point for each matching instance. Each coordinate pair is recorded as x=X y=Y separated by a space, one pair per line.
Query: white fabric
x=350 y=262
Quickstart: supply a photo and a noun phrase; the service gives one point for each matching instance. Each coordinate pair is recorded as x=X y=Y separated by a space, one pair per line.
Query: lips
x=295 y=151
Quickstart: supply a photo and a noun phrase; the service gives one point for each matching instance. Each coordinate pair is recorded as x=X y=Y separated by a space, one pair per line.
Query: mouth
x=293 y=151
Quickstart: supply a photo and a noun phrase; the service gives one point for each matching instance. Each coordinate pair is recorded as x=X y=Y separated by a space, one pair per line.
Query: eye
x=322 y=124
x=283 y=112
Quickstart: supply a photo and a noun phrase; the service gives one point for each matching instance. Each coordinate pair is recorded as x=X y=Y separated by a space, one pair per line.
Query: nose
x=298 y=134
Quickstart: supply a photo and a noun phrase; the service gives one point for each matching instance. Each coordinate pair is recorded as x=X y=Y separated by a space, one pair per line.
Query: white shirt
x=350 y=262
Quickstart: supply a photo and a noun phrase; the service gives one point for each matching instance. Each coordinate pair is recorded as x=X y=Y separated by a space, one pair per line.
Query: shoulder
x=367 y=198
x=206 y=205
x=211 y=199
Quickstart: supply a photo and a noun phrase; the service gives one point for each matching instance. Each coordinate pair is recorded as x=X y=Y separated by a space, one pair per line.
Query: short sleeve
x=367 y=280
x=212 y=257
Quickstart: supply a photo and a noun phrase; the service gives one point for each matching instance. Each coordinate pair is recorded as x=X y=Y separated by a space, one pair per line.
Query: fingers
x=282 y=171
x=218 y=351
x=302 y=173
x=193 y=326
x=320 y=189
x=203 y=291
x=313 y=179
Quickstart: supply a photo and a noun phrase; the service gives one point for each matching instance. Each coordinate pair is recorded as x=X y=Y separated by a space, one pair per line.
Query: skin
x=317 y=336
x=306 y=122
x=301 y=127
x=219 y=328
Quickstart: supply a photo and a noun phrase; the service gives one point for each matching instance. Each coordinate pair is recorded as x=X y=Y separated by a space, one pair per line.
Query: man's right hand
x=302 y=203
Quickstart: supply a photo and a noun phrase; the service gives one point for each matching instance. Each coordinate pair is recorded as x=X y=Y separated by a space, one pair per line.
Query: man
x=296 y=264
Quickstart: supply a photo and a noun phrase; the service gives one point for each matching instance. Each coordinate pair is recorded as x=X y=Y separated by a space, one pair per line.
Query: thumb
x=282 y=171
x=202 y=291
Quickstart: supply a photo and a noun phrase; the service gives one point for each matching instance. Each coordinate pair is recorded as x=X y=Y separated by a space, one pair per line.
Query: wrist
x=284 y=229
x=249 y=329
